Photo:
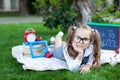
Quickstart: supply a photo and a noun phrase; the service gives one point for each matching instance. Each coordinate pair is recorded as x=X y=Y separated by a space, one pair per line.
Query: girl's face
x=81 y=39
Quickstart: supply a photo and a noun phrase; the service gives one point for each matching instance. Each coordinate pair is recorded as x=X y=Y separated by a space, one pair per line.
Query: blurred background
x=63 y=12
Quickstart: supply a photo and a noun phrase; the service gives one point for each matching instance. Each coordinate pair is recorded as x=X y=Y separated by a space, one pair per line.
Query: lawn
x=12 y=35
x=9 y=14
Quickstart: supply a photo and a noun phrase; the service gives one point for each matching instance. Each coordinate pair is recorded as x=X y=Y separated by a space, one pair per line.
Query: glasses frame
x=84 y=40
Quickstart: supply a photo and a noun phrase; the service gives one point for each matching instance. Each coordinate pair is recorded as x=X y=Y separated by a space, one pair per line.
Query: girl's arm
x=86 y=68
x=73 y=64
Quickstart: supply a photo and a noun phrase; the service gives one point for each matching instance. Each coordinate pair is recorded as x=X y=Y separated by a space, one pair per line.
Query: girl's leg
x=58 y=39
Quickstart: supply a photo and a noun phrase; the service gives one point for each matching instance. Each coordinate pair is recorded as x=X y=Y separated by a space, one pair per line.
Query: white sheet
x=41 y=64
x=110 y=57
x=38 y=64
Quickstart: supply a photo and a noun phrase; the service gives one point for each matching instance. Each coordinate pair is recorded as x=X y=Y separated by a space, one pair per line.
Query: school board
x=109 y=33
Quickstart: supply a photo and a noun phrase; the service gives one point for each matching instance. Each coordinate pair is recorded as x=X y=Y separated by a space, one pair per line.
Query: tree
x=64 y=13
x=23 y=8
x=85 y=8
x=26 y=7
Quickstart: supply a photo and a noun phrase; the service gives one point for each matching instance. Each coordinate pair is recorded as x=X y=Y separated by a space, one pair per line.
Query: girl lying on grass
x=81 y=50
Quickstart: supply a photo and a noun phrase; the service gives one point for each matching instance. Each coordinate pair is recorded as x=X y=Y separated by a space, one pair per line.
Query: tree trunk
x=23 y=8
x=85 y=8
x=116 y=5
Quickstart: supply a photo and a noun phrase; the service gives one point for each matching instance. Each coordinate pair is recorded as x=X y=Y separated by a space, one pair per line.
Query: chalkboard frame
x=103 y=25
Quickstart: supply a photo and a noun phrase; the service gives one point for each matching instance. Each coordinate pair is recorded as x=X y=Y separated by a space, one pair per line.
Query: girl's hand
x=80 y=51
x=77 y=49
x=85 y=69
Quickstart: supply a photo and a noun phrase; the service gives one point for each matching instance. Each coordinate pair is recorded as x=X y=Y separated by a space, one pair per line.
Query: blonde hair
x=94 y=39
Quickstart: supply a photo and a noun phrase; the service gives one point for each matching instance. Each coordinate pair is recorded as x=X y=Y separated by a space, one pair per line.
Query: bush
x=61 y=17
x=105 y=12
x=117 y=14
x=57 y=13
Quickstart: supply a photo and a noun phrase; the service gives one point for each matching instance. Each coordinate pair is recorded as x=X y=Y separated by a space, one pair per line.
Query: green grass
x=9 y=14
x=12 y=35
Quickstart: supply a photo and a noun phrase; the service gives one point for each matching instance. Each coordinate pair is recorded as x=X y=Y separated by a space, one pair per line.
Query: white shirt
x=74 y=64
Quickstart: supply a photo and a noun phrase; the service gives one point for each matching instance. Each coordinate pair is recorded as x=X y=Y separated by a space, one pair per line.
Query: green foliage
x=57 y=13
x=106 y=12
x=61 y=17
x=99 y=18
x=40 y=6
x=117 y=14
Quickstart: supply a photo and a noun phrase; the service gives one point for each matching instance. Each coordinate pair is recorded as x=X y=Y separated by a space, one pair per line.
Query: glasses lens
x=78 y=39
x=86 y=41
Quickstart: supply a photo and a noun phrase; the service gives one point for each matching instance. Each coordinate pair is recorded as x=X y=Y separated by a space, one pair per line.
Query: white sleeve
x=73 y=64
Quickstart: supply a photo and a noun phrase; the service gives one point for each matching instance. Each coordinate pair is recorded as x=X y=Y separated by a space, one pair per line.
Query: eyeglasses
x=77 y=39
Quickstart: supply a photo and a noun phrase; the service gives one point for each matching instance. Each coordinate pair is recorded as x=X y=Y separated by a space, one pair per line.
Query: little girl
x=81 y=50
